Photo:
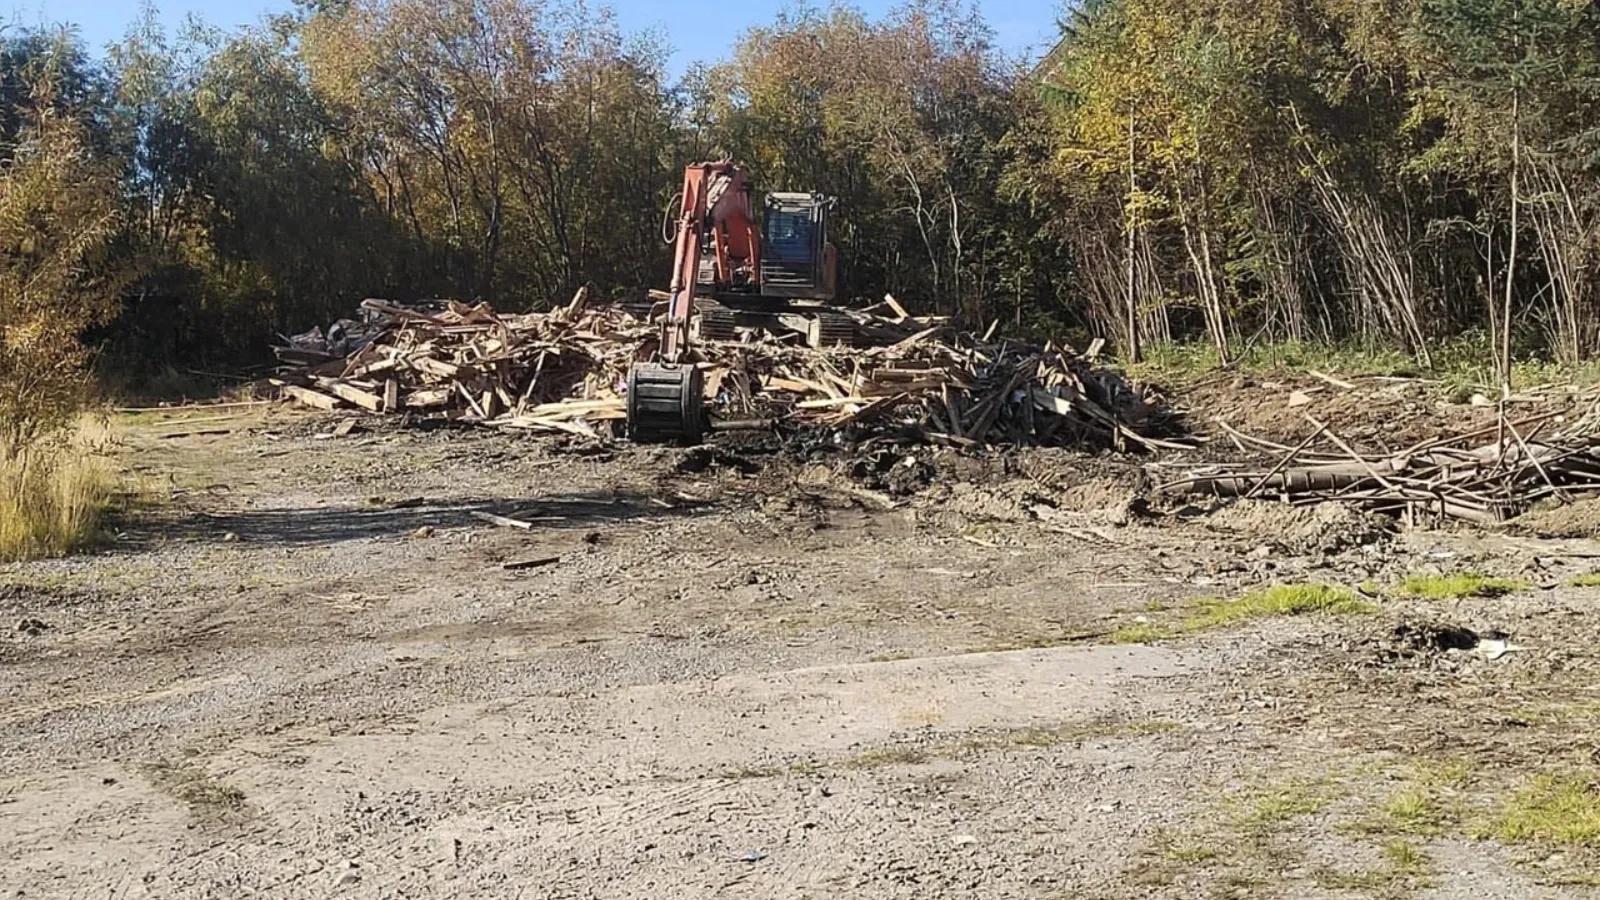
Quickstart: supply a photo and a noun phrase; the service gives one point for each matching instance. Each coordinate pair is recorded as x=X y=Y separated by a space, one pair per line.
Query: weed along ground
x=328 y=659
x=54 y=494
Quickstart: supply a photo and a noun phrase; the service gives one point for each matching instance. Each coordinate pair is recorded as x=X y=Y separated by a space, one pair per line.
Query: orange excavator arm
x=716 y=218
x=666 y=398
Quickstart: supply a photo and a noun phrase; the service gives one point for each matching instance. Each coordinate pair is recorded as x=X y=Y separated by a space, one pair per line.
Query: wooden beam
x=428 y=398
x=352 y=394
x=502 y=521
x=306 y=395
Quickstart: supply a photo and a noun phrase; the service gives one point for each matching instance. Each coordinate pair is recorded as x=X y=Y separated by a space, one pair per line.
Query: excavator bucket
x=666 y=403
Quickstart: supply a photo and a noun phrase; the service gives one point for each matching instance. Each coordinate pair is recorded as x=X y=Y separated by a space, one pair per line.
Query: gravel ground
x=307 y=670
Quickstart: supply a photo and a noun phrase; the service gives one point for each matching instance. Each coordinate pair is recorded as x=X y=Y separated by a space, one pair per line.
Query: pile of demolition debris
x=565 y=371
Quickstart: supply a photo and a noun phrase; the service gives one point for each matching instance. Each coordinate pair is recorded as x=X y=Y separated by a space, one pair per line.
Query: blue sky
x=1019 y=25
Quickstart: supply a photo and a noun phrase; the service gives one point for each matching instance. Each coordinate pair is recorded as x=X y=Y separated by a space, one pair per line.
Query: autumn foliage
x=1403 y=174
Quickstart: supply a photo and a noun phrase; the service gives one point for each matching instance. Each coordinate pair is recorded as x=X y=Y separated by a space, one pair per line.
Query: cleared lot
x=309 y=670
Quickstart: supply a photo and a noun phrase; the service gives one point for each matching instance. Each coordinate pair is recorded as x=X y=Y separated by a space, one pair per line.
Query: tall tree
x=58 y=277
x=1516 y=80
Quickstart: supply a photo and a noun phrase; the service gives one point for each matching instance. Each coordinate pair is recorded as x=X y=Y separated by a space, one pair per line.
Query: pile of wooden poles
x=1486 y=475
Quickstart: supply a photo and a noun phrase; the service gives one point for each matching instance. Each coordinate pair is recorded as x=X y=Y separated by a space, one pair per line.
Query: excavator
x=729 y=273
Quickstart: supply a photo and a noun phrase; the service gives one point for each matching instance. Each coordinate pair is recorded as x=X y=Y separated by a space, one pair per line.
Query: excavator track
x=716 y=323
x=830 y=329
x=666 y=403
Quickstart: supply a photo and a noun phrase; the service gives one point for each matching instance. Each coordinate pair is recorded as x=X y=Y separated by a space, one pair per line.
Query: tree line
x=1396 y=173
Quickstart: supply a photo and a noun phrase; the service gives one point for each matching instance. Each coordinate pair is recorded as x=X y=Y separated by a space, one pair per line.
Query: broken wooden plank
x=1336 y=382
x=919 y=337
x=429 y=397
x=531 y=563
x=349 y=392
x=190 y=407
x=208 y=432
x=306 y=395
x=502 y=521
x=832 y=402
x=437 y=368
x=378 y=367
x=579 y=301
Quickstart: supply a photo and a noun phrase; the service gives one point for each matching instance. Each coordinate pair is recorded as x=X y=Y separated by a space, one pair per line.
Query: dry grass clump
x=54 y=495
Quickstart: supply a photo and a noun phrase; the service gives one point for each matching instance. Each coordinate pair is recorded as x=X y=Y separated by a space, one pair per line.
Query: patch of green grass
x=878 y=757
x=1427 y=803
x=1443 y=774
x=1591 y=579
x=1141 y=633
x=1555 y=713
x=1348 y=359
x=1532 y=373
x=1278 y=600
x=1413 y=811
x=1265 y=829
x=1460 y=586
x=1272 y=805
x=1185 y=849
x=741 y=773
x=1242 y=884
x=1282 y=807
x=1072 y=734
x=1552 y=809
x=204 y=795
x=1374 y=881
x=1405 y=858
x=1405 y=869
x=1191 y=854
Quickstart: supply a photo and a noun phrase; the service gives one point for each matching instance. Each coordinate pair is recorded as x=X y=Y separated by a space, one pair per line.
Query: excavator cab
x=797 y=262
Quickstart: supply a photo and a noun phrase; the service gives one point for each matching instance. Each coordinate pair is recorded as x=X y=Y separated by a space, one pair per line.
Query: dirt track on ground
x=308 y=671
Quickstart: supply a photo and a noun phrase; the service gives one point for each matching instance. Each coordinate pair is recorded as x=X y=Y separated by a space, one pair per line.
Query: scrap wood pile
x=555 y=371
x=940 y=386
x=566 y=372
x=1487 y=475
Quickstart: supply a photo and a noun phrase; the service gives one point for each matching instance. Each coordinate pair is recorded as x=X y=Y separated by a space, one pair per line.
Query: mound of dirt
x=1574 y=520
x=1106 y=495
x=1327 y=528
x=1377 y=414
x=1101 y=500
x=962 y=504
